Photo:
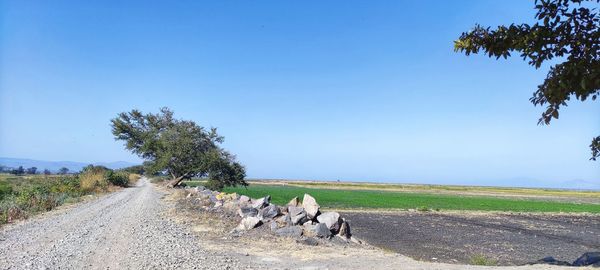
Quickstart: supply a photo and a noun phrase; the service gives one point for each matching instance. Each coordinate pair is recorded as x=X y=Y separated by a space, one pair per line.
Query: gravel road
x=122 y=230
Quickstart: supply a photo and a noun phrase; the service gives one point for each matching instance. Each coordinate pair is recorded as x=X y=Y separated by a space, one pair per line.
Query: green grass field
x=356 y=199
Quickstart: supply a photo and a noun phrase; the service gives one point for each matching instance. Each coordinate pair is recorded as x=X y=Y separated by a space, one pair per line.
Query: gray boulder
x=311 y=241
x=248 y=223
x=344 y=229
x=299 y=219
x=269 y=212
x=247 y=212
x=309 y=229
x=321 y=230
x=551 y=261
x=588 y=258
x=292 y=231
x=294 y=211
x=284 y=220
x=262 y=202
x=331 y=220
x=274 y=226
x=297 y=215
x=310 y=206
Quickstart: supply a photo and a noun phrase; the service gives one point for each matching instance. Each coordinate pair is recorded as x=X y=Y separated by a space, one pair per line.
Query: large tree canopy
x=567 y=31
x=180 y=148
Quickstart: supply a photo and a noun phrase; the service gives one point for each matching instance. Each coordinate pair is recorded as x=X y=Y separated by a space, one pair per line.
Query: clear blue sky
x=350 y=90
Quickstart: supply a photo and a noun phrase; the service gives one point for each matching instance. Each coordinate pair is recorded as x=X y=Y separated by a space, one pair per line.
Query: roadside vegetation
x=24 y=195
x=370 y=199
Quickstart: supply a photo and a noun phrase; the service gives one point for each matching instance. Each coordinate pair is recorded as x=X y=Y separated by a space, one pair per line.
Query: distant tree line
x=31 y=170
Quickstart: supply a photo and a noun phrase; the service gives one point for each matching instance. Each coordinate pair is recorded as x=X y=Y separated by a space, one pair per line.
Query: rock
x=274 y=226
x=230 y=206
x=321 y=230
x=284 y=220
x=199 y=188
x=262 y=202
x=292 y=231
x=218 y=204
x=297 y=215
x=247 y=212
x=206 y=192
x=344 y=229
x=299 y=219
x=203 y=202
x=213 y=198
x=269 y=212
x=248 y=223
x=293 y=202
x=309 y=229
x=331 y=220
x=588 y=258
x=551 y=261
x=355 y=240
x=311 y=241
x=227 y=197
x=244 y=199
x=310 y=206
x=294 y=211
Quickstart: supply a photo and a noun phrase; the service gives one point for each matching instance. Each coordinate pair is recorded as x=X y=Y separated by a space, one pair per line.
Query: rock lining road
x=122 y=230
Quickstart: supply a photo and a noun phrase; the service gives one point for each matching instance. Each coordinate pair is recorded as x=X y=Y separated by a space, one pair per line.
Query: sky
x=324 y=90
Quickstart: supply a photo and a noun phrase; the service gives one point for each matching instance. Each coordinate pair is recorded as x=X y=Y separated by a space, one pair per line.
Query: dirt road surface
x=121 y=230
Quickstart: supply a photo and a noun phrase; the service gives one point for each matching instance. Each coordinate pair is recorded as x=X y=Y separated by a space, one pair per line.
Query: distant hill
x=54 y=166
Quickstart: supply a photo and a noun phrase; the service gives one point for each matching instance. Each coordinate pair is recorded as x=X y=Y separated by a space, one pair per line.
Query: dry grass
x=133 y=179
x=93 y=181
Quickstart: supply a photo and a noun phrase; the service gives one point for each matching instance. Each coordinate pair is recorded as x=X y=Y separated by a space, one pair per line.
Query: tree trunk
x=174 y=182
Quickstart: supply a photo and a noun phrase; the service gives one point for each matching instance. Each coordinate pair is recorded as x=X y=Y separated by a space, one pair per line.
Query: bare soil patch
x=511 y=239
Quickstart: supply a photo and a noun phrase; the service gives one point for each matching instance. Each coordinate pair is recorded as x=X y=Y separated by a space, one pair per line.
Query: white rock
x=248 y=223
x=331 y=220
x=310 y=206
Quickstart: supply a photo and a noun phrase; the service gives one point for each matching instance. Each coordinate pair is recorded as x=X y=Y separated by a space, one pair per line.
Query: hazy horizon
x=338 y=90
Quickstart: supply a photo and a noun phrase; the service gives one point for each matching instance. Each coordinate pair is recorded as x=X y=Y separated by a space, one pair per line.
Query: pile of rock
x=296 y=219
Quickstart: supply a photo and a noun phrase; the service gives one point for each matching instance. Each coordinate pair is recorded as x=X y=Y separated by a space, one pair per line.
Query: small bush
x=5 y=190
x=423 y=209
x=120 y=179
x=482 y=260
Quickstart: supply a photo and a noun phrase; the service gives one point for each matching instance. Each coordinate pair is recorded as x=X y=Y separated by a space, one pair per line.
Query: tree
x=137 y=169
x=18 y=171
x=180 y=148
x=567 y=31
x=63 y=170
x=47 y=172
x=32 y=170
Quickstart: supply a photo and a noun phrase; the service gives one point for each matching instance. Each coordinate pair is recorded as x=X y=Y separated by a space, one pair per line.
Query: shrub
x=423 y=209
x=120 y=179
x=482 y=260
x=5 y=190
